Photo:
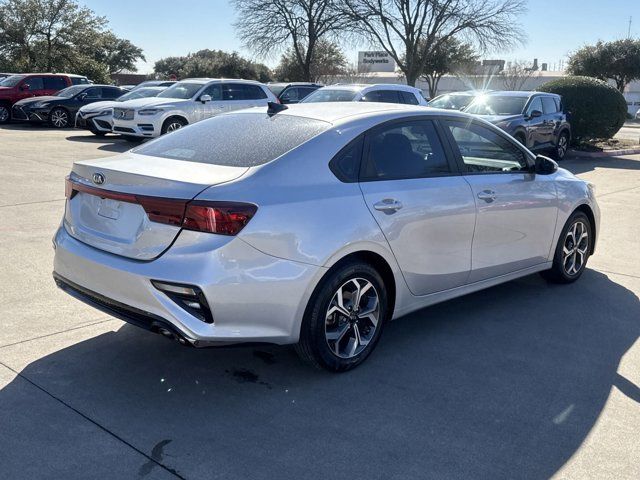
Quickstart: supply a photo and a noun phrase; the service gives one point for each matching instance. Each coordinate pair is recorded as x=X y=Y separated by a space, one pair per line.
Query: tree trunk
x=411 y=77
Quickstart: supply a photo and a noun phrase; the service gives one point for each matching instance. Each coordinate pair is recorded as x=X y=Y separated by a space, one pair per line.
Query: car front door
x=516 y=209
x=536 y=128
x=215 y=106
x=422 y=204
x=31 y=87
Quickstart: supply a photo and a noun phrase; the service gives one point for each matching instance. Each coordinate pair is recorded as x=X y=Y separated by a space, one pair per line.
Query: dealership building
x=379 y=67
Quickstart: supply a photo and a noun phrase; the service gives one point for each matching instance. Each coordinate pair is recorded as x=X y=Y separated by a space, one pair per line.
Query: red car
x=17 y=87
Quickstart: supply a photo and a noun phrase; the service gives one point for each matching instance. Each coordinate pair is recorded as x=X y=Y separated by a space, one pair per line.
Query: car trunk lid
x=132 y=205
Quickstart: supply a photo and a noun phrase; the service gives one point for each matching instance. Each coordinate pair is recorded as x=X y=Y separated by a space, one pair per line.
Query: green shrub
x=597 y=110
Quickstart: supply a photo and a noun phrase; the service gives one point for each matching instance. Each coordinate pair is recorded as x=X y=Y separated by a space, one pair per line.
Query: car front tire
x=59 y=118
x=572 y=251
x=344 y=318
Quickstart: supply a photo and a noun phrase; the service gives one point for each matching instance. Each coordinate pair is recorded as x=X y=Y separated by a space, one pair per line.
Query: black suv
x=292 y=92
x=535 y=119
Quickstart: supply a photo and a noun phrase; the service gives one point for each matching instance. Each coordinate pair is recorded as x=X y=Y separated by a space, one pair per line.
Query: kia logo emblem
x=98 y=178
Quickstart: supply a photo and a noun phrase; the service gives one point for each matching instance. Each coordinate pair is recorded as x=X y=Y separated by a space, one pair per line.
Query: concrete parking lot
x=525 y=380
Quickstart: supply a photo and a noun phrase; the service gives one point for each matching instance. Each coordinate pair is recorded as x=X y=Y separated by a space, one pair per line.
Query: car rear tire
x=562 y=145
x=59 y=118
x=172 y=124
x=572 y=251
x=5 y=114
x=344 y=318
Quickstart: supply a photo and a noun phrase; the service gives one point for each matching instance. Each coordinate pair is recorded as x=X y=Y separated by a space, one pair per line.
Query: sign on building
x=376 y=61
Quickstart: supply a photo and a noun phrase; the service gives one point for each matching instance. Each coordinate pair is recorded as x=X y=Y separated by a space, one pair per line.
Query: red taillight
x=223 y=218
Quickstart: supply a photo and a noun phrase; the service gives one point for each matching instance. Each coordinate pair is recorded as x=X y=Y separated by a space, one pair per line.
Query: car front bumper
x=253 y=297
x=94 y=122
x=140 y=127
x=26 y=114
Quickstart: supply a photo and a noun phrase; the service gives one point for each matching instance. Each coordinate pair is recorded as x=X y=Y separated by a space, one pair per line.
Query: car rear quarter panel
x=305 y=213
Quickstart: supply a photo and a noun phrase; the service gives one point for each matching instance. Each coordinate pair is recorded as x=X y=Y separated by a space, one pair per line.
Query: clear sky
x=166 y=28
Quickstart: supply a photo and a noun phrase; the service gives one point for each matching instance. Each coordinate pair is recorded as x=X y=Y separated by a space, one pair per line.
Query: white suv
x=186 y=102
x=380 y=92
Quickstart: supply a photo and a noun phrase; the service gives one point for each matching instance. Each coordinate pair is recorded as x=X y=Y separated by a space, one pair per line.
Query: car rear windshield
x=329 y=95
x=497 y=105
x=236 y=140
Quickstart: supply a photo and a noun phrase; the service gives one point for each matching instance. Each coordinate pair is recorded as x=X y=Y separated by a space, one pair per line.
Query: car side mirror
x=24 y=87
x=205 y=98
x=545 y=166
x=82 y=96
x=535 y=114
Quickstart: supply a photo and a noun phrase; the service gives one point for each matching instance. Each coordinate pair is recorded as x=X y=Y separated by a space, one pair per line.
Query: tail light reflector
x=223 y=218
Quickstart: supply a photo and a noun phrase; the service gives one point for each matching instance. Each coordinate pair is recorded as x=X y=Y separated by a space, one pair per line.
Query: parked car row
x=535 y=119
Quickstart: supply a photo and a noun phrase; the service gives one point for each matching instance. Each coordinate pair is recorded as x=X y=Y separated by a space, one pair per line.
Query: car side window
x=110 y=92
x=54 y=83
x=290 y=95
x=485 y=151
x=304 y=91
x=239 y=91
x=34 y=83
x=404 y=150
x=549 y=105
x=253 y=92
x=93 y=93
x=346 y=164
x=214 y=91
x=384 y=96
x=409 y=98
x=536 y=104
x=78 y=81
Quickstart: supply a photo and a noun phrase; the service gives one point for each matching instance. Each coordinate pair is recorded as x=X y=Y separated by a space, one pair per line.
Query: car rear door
x=422 y=204
x=53 y=84
x=516 y=209
x=552 y=119
x=241 y=95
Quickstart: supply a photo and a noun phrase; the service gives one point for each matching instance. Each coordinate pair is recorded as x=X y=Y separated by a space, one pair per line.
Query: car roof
x=357 y=87
x=337 y=112
x=518 y=93
x=209 y=80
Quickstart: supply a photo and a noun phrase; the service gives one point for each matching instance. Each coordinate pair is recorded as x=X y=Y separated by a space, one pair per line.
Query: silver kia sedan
x=315 y=224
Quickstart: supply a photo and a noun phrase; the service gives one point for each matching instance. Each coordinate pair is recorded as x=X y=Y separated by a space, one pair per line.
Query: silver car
x=315 y=224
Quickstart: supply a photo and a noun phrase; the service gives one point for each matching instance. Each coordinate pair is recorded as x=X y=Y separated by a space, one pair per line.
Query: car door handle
x=487 y=195
x=388 y=205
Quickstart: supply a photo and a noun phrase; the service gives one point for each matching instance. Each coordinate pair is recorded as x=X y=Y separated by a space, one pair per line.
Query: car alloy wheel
x=352 y=318
x=575 y=248
x=561 y=149
x=4 y=114
x=59 y=118
x=173 y=126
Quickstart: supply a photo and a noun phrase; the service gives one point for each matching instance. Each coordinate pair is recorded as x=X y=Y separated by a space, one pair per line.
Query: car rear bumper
x=253 y=297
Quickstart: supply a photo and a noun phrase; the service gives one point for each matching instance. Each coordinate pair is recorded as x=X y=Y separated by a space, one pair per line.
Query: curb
x=607 y=153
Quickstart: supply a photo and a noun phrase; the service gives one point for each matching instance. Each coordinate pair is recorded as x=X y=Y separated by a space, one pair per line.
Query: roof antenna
x=274 y=108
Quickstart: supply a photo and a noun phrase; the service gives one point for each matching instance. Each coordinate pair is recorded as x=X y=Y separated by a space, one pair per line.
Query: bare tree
x=270 y=27
x=450 y=57
x=410 y=30
x=516 y=74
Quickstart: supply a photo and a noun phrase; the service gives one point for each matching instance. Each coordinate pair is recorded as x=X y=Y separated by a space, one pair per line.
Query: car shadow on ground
x=505 y=383
x=108 y=143
x=578 y=165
